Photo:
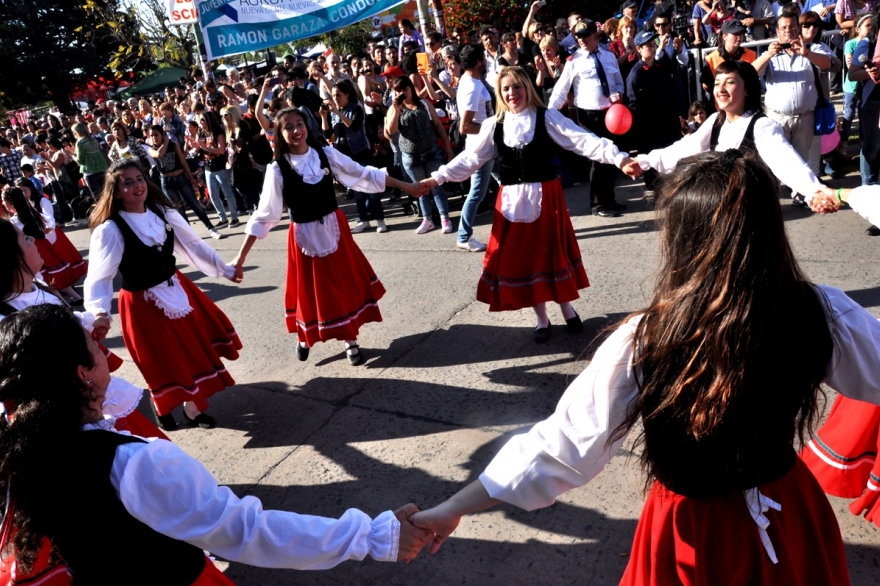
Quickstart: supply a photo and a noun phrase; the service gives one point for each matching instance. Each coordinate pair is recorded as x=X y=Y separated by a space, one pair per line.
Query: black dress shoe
x=302 y=352
x=202 y=420
x=602 y=212
x=800 y=201
x=873 y=231
x=166 y=422
x=574 y=325
x=541 y=335
x=354 y=359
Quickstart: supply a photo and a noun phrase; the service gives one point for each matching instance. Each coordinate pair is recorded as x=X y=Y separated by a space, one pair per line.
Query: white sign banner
x=182 y=12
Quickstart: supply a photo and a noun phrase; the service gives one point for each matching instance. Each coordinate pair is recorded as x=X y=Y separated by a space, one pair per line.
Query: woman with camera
x=343 y=117
x=420 y=129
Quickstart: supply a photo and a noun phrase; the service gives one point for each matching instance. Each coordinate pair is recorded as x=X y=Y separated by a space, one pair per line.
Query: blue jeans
x=479 y=187
x=179 y=189
x=221 y=181
x=869 y=161
x=369 y=205
x=420 y=167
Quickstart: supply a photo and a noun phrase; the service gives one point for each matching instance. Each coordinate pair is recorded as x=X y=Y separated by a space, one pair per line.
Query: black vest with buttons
x=76 y=506
x=308 y=203
x=145 y=266
x=533 y=163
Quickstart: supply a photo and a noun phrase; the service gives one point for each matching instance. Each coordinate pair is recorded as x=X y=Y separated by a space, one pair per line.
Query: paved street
x=445 y=385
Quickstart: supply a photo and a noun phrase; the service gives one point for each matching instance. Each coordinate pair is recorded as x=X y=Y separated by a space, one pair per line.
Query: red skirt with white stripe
x=843 y=455
x=56 y=272
x=113 y=361
x=535 y=262
x=330 y=297
x=67 y=252
x=682 y=541
x=179 y=358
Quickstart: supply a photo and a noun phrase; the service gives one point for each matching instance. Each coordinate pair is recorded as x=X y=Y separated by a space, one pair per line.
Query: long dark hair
x=32 y=221
x=750 y=79
x=314 y=139
x=729 y=300
x=46 y=408
x=107 y=204
x=12 y=261
x=35 y=196
x=401 y=83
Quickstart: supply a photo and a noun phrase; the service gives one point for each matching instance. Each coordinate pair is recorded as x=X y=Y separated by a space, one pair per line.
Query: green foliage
x=349 y=39
x=509 y=15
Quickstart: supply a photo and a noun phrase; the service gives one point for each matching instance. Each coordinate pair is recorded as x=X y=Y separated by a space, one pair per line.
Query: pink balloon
x=618 y=119
x=830 y=142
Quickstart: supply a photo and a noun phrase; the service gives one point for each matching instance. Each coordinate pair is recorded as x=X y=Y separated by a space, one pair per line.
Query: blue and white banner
x=237 y=26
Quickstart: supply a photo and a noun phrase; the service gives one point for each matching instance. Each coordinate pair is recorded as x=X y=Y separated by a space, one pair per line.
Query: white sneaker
x=472 y=245
x=381 y=227
x=447 y=226
x=215 y=234
x=360 y=227
x=426 y=226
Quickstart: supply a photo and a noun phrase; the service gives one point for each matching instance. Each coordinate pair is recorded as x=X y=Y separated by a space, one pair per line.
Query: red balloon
x=618 y=119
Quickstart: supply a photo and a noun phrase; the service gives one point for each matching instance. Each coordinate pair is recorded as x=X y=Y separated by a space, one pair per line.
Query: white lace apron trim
x=521 y=203
x=318 y=238
x=759 y=504
x=122 y=398
x=172 y=299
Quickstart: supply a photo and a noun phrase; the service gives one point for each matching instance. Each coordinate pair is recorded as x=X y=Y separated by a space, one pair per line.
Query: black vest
x=748 y=141
x=145 y=266
x=308 y=203
x=78 y=509
x=533 y=163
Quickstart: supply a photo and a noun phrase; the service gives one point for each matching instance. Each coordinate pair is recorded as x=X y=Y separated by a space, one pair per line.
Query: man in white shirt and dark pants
x=474 y=106
x=595 y=76
x=789 y=67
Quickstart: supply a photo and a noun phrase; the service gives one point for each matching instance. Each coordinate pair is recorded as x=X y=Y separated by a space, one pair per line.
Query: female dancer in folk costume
x=533 y=255
x=56 y=271
x=62 y=245
x=740 y=123
x=843 y=453
x=728 y=274
x=120 y=495
x=331 y=288
x=20 y=261
x=176 y=335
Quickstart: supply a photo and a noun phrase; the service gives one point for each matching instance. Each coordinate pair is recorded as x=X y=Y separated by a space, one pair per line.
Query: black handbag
x=244 y=176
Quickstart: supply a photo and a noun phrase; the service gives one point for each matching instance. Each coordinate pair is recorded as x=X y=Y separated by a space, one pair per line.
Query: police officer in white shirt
x=788 y=68
x=595 y=76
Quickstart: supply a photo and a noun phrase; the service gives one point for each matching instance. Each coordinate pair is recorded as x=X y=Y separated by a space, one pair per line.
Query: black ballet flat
x=302 y=353
x=166 y=422
x=541 y=335
x=574 y=325
x=354 y=359
x=202 y=420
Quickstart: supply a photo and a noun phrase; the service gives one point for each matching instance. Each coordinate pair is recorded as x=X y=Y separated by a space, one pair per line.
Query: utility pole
x=439 y=21
x=423 y=15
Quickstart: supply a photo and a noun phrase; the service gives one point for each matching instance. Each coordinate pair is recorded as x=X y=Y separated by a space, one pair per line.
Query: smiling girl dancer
x=174 y=333
x=331 y=288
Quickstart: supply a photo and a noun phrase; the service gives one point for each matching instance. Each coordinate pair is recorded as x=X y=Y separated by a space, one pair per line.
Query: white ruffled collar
x=519 y=129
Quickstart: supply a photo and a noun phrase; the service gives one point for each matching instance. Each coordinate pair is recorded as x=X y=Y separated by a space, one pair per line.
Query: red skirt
x=136 y=424
x=843 y=455
x=113 y=361
x=330 y=297
x=179 y=358
x=683 y=541
x=531 y=263
x=67 y=252
x=56 y=272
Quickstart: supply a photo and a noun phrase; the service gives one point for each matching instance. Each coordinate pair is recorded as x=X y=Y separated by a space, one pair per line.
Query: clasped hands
x=419 y=528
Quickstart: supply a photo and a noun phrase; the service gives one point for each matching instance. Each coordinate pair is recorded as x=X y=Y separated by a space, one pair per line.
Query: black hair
x=749 y=77
x=12 y=261
x=35 y=196
x=471 y=55
x=487 y=30
x=409 y=63
x=346 y=87
x=47 y=407
x=32 y=221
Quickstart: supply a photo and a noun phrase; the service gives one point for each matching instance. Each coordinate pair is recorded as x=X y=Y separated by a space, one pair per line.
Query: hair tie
x=728 y=159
